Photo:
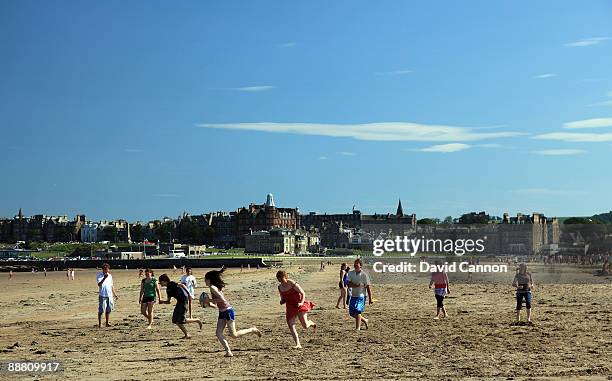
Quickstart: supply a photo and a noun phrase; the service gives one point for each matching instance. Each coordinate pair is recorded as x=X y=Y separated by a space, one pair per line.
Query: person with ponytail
x=217 y=300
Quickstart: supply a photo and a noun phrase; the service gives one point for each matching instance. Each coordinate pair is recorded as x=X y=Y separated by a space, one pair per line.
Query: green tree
x=110 y=233
x=428 y=221
x=474 y=218
x=137 y=233
x=165 y=231
x=448 y=220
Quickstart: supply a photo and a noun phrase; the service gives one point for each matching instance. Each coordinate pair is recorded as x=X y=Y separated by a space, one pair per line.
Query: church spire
x=400 y=211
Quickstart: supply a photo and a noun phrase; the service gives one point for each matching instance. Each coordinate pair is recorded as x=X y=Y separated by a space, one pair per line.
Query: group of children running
x=291 y=295
x=355 y=291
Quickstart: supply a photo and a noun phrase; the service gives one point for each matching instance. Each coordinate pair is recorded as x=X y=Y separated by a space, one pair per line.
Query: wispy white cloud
x=395 y=72
x=168 y=195
x=345 y=153
x=445 y=148
x=322 y=157
x=386 y=131
x=133 y=150
x=547 y=192
x=252 y=89
x=559 y=152
x=587 y=42
x=589 y=123
x=575 y=137
x=287 y=45
x=545 y=75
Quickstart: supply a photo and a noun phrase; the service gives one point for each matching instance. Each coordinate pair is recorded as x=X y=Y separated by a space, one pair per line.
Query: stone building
x=527 y=235
x=335 y=236
x=398 y=224
x=314 y=220
x=275 y=241
x=264 y=217
x=41 y=228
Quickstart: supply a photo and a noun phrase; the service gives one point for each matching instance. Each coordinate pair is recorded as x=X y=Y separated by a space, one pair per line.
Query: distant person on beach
x=439 y=280
x=68 y=274
x=11 y=274
x=359 y=282
x=149 y=289
x=45 y=271
x=72 y=274
x=173 y=269
x=523 y=284
x=140 y=273
x=179 y=292
x=190 y=281
x=294 y=299
x=226 y=312
x=348 y=289
x=106 y=295
x=342 y=286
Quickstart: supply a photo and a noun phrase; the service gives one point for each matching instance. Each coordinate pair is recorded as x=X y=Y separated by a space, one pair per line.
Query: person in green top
x=149 y=288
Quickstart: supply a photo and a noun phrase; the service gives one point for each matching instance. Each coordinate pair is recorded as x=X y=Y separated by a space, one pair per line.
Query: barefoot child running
x=178 y=292
x=294 y=298
x=149 y=289
x=226 y=312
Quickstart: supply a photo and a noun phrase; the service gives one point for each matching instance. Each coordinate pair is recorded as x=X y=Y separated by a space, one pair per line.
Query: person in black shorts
x=523 y=284
x=180 y=293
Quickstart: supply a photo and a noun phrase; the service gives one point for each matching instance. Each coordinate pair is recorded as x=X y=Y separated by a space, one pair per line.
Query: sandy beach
x=51 y=318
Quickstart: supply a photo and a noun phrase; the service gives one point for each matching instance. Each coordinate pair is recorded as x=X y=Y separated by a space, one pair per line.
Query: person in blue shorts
x=358 y=282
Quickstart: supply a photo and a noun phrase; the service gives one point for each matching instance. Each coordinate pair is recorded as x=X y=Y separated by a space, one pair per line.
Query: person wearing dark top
x=180 y=293
x=523 y=284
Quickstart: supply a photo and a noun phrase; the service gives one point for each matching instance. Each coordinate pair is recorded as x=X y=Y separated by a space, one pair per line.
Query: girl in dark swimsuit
x=342 y=286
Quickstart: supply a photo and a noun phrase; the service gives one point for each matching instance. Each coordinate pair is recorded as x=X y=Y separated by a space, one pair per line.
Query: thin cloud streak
x=546 y=75
x=445 y=148
x=395 y=72
x=386 y=131
x=575 y=137
x=559 y=152
x=345 y=153
x=589 y=123
x=287 y=45
x=252 y=89
x=587 y=42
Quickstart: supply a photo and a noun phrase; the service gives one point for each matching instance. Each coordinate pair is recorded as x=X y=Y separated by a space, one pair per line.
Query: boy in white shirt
x=107 y=294
x=358 y=282
x=190 y=281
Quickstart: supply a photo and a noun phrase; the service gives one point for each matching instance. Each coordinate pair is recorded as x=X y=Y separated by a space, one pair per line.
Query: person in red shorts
x=294 y=299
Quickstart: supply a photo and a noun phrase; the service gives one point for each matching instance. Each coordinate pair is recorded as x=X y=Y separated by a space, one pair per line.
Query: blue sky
x=144 y=109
